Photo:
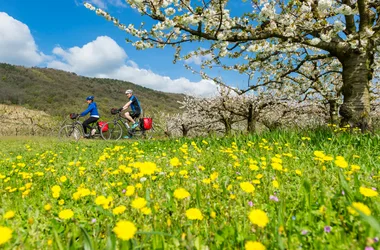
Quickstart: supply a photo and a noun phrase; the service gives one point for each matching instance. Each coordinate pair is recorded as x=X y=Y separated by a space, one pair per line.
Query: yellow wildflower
x=139 y=203
x=9 y=215
x=254 y=245
x=367 y=192
x=119 y=210
x=194 y=214
x=5 y=235
x=258 y=217
x=125 y=230
x=181 y=193
x=247 y=187
x=359 y=206
x=66 y=214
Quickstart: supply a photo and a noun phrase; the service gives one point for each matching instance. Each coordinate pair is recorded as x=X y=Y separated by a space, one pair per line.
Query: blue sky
x=64 y=34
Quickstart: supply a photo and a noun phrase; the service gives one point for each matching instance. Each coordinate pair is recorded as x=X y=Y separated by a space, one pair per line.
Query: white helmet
x=128 y=91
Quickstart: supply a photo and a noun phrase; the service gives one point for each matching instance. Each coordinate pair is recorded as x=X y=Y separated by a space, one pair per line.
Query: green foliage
x=59 y=93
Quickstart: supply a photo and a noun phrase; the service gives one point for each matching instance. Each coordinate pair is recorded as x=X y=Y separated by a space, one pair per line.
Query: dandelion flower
x=5 y=235
x=9 y=215
x=125 y=230
x=47 y=207
x=175 y=162
x=194 y=214
x=181 y=193
x=247 y=187
x=358 y=206
x=139 y=203
x=119 y=210
x=367 y=192
x=254 y=245
x=258 y=217
x=66 y=214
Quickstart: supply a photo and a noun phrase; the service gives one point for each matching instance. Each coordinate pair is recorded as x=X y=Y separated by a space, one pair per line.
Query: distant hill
x=59 y=93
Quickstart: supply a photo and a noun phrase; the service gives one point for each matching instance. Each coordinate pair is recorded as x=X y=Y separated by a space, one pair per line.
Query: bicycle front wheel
x=114 y=131
x=69 y=132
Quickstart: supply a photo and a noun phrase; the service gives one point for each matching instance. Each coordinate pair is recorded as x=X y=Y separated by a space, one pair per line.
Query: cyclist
x=94 y=115
x=136 y=109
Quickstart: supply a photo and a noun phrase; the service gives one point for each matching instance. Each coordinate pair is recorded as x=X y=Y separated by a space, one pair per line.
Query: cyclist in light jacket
x=94 y=115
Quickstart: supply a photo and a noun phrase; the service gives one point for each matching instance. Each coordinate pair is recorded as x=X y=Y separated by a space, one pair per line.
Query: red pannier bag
x=147 y=123
x=103 y=126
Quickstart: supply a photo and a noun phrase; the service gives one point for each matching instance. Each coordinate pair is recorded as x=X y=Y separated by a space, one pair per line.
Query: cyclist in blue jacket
x=94 y=115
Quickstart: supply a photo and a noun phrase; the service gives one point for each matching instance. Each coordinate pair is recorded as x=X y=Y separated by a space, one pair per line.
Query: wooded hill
x=59 y=93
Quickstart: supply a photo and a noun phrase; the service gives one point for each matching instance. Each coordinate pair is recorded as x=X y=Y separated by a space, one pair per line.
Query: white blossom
x=315 y=41
x=344 y=10
x=339 y=26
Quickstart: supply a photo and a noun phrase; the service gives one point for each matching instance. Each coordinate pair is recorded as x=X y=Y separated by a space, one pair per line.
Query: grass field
x=282 y=190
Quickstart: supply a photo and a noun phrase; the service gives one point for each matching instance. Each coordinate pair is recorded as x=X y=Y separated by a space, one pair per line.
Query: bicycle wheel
x=70 y=132
x=114 y=132
x=148 y=134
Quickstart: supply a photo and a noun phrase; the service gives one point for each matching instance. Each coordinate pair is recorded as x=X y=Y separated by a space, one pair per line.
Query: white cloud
x=198 y=59
x=103 y=4
x=17 y=44
x=152 y=80
x=99 y=56
x=104 y=58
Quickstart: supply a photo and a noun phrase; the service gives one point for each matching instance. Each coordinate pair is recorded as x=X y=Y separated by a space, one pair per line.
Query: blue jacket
x=92 y=109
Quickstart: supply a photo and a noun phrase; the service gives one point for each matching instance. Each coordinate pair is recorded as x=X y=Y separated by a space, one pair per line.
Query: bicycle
x=75 y=129
x=120 y=123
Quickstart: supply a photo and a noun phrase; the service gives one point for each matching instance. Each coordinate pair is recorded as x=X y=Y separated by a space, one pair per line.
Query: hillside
x=59 y=93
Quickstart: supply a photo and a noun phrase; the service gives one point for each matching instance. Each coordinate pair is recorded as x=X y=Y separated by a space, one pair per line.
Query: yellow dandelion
x=9 y=215
x=119 y=210
x=125 y=230
x=258 y=217
x=181 y=193
x=341 y=162
x=254 y=245
x=5 y=235
x=146 y=210
x=247 y=187
x=275 y=184
x=63 y=178
x=194 y=214
x=47 y=207
x=66 y=214
x=139 y=203
x=367 y=192
x=358 y=206
x=175 y=162
x=130 y=191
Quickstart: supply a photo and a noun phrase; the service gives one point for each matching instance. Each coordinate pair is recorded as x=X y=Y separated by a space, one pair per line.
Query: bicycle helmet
x=91 y=97
x=129 y=91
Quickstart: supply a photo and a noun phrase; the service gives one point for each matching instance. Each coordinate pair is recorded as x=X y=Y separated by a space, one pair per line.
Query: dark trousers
x=86 y=123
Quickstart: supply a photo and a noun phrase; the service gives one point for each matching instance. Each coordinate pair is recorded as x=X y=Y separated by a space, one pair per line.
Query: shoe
x=135 y=125
x=93 y=131
x=86 y=136
x=127 y=137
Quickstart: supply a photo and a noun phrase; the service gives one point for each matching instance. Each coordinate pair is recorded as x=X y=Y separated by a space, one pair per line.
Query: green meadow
x=281 y=190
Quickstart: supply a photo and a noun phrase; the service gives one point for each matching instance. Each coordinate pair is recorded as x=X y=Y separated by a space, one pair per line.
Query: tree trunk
x=356 y=102
x=227 y=126
x=185 y=130
x=251 y=126
x=333 y=110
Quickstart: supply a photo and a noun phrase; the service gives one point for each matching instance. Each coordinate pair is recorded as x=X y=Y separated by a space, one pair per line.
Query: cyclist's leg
x=134 y=116
x=94 y=126
x=86 y=123
x=129 y=115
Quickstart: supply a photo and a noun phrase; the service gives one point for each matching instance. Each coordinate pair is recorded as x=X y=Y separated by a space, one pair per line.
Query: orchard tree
x=272 y=39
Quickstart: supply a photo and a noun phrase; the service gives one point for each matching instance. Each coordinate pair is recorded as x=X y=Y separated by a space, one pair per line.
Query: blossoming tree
x=272 y=39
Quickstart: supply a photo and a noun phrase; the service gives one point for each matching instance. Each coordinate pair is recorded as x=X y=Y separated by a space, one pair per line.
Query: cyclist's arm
x=88 y=110
x=127 y=105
